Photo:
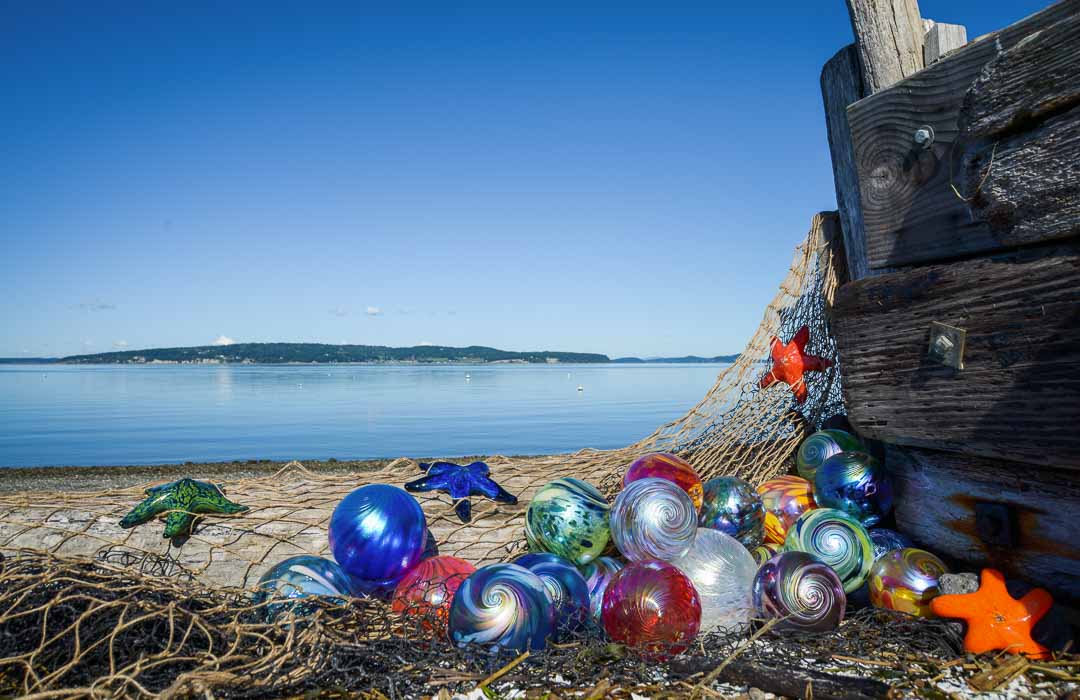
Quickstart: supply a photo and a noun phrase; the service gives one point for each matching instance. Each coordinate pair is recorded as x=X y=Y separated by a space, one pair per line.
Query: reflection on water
x=114 y=414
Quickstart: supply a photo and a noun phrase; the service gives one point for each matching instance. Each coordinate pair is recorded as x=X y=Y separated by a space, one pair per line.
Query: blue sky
x=619 y=178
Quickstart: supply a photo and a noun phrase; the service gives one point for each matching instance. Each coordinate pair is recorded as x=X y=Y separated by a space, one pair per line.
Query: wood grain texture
x=1021 y=118
x=941 y=39
x=936 y=493
x=910 y=212
x=889 y=35
x=841 y=86
x=1018 y=397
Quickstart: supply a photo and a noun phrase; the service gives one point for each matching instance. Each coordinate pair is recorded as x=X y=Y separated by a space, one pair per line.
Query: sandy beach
x=109 y=477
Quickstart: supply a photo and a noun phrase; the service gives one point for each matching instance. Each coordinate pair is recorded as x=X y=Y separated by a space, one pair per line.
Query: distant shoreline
x=722 y=360
x=322 y=354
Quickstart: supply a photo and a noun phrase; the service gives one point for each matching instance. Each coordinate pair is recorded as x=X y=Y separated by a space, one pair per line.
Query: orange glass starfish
x=994 y=618
x=791 y=361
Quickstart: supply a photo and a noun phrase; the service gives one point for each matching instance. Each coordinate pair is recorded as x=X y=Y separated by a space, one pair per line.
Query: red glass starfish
x=791 y=361
x=995 y=619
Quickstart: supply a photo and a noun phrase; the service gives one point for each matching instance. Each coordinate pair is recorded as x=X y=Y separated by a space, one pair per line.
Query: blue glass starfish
x=461 y=482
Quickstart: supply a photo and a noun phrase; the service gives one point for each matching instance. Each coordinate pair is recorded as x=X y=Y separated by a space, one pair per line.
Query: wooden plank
x=841 y=85
x=936 y=497
x=1022 y=117
x=911 y=213
x=888 y=34
x=1018 y=396
x=942 y=39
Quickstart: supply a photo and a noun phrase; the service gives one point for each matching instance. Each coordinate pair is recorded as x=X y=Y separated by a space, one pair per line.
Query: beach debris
x=790 y=363
x=183 y=500
x=996 y=620
x=461 y=482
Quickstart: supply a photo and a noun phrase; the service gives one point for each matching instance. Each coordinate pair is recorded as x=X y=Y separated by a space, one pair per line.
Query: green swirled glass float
x=836 y=539
x=568 y=517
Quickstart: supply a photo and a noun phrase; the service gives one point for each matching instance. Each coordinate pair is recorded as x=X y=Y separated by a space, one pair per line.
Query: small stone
x=958 y=584
x=756 y=694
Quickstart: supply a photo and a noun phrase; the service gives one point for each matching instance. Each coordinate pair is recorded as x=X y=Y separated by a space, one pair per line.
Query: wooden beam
x=911 y=212
x=888 y=34
x=1031 y=533
x=942 y=39
x=841 y=85
x=1018 y=395
x=888 y=46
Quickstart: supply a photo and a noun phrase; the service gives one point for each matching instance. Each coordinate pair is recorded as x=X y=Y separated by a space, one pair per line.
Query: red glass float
x=653 y=607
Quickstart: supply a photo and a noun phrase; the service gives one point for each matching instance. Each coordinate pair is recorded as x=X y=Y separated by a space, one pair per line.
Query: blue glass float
x=734 y=507
x=298 y=578
x=598 y=574
x=377 y=533
x=823 y=444
x=567 y=588
x=504 y=606
x=884 y=540
x=855 y=483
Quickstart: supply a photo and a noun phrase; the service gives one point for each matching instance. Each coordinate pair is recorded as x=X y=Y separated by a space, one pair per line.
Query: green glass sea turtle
x=185 y=499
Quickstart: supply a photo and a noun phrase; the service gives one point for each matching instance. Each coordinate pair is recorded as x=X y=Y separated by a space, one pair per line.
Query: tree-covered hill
x=279 y=353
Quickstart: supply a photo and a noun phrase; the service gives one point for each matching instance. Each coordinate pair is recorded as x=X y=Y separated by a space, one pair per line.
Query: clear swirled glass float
x=801 y=591
x=722 y=571
x=653 y=519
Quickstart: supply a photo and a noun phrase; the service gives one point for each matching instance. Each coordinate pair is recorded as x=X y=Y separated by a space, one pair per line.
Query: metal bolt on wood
x=924 y=136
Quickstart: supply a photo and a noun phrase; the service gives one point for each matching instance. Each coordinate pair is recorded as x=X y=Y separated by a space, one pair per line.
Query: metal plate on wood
x=947 y=345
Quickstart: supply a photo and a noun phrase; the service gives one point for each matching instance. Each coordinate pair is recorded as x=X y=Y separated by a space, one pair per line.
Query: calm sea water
x=121 y=414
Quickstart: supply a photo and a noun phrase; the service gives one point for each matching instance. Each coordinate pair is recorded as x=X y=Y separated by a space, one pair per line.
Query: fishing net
x=127 y=626
x=737 y=429
x=88 y=609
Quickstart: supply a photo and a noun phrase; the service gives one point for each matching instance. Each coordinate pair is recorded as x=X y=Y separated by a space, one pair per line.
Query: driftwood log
x=786 y=680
